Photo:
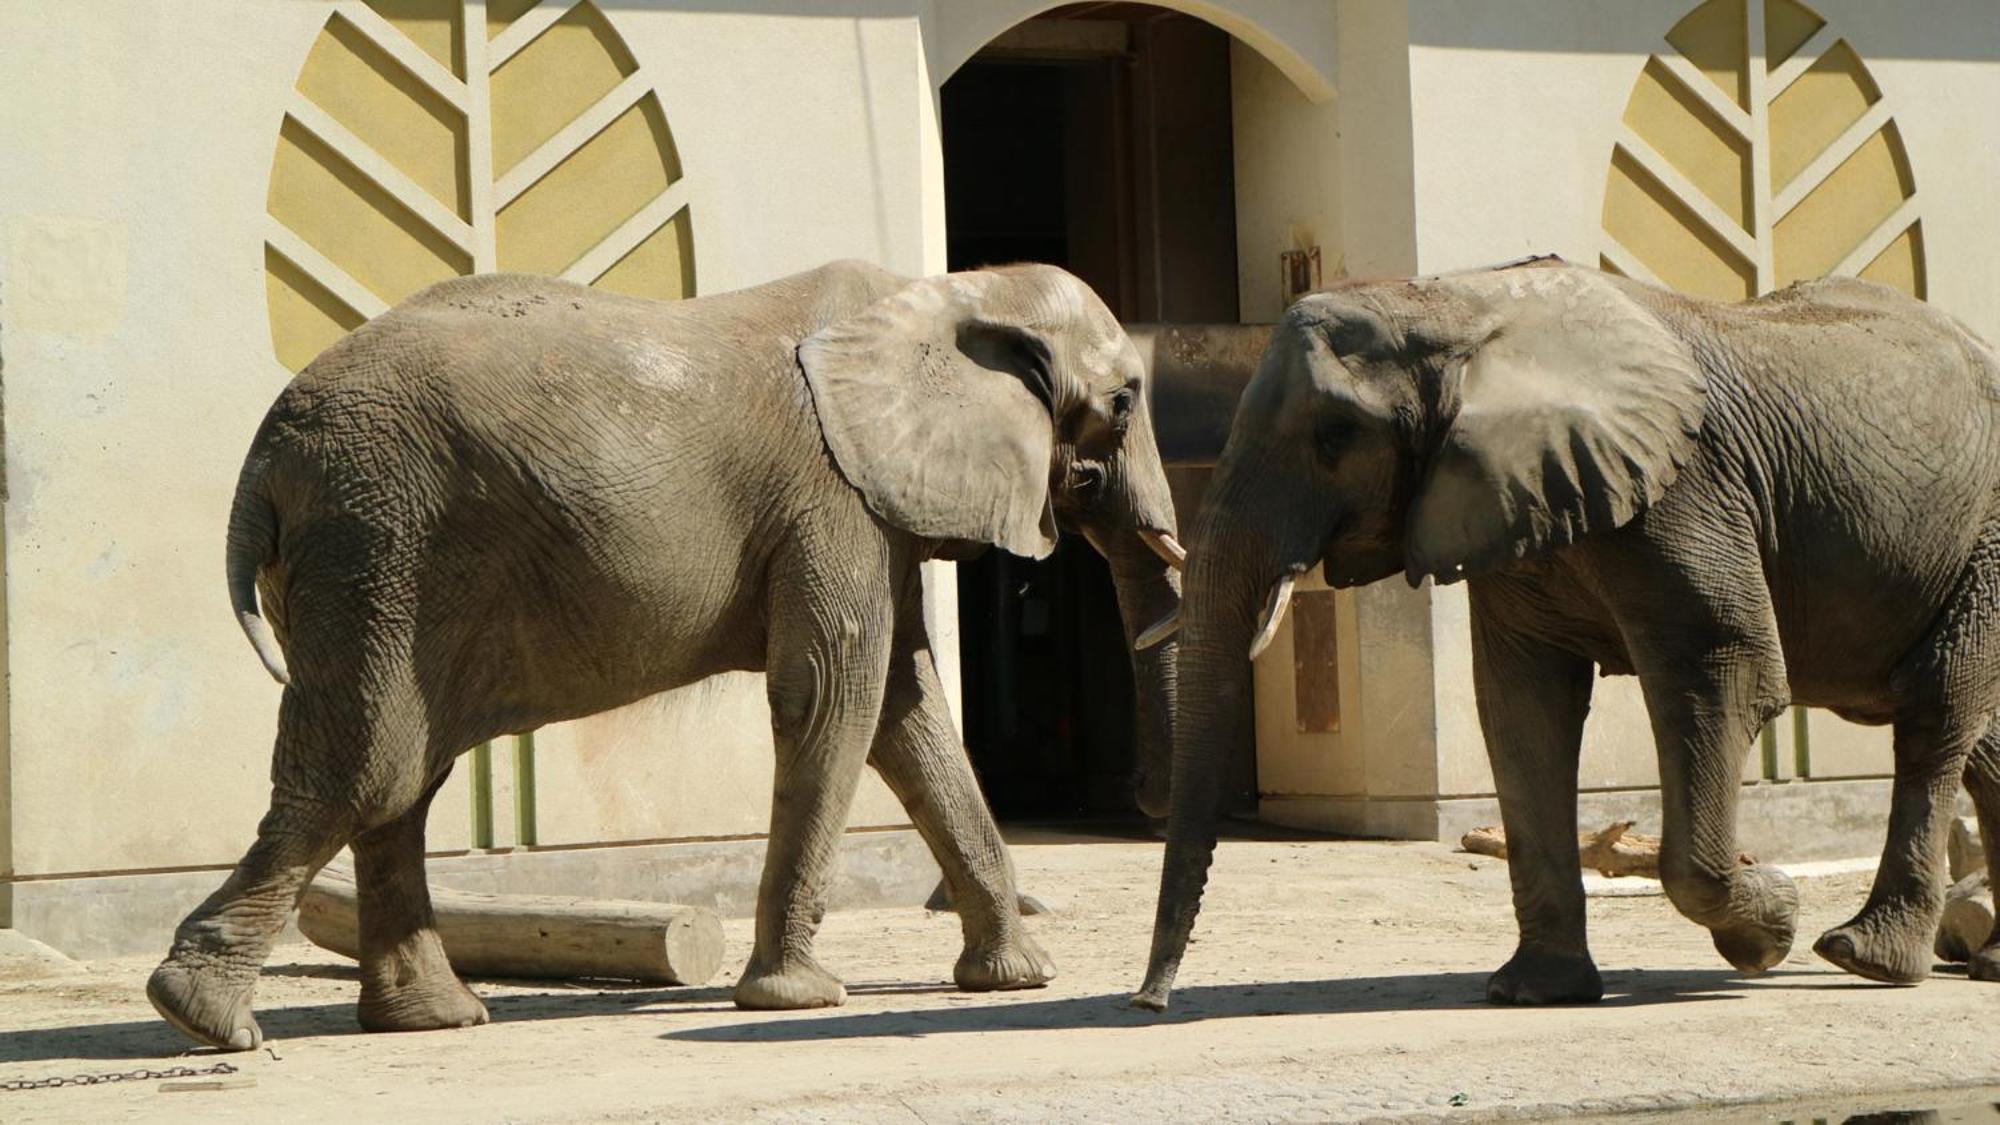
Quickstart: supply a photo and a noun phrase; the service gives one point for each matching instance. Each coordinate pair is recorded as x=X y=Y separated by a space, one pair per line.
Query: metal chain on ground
x=119 y=1076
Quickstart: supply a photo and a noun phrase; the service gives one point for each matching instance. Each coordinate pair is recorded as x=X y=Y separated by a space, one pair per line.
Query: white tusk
x=1274 y=614
x=1159 y=631
x=1165 y=546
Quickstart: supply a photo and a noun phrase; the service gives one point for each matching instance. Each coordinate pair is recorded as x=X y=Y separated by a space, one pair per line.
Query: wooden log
x=1612 y=851
x=1968 y=918
x=1966 y=853
x=536 y=936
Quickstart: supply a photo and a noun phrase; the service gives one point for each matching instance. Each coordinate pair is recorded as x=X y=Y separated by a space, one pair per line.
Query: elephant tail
x=253 y=541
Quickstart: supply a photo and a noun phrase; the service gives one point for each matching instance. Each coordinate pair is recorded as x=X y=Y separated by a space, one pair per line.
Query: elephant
x=511 y=501
x=1791 y=499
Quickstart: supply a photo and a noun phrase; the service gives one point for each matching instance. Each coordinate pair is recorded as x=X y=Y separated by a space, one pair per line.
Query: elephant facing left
x=512 y=501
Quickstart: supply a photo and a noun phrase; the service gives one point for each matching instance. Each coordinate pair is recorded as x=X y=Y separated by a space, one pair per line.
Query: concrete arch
x=1298 y=38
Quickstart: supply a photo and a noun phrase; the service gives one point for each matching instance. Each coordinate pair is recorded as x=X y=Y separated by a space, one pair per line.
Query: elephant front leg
x=825 y=678
x=1532 y=703
x=917 y=752
x=407 y=984
x=1706 y=712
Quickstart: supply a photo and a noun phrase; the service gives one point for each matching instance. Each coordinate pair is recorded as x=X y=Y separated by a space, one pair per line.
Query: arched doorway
x=1096 y=137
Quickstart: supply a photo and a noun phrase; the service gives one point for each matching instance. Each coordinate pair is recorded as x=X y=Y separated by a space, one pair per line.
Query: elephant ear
x=1576 y=412
x=938 y=413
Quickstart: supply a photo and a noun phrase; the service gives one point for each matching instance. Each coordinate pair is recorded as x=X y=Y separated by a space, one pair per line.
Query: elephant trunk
x=1148 y=590
x=1226 y=588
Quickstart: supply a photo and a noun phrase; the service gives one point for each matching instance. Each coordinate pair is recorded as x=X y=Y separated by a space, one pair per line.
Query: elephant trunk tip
x=1152 y=996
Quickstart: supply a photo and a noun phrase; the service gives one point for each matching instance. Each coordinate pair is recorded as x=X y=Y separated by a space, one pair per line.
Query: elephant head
x=981 y=408
x=1437 y=427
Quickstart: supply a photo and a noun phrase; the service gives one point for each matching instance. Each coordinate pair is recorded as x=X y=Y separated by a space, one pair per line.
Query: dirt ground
x=1328 y=981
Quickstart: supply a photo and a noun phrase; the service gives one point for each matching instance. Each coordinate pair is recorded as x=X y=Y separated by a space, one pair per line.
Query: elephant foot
x=1888 y=953
x=204 y=1004
x=1544 y=976
x=1763 y=915
x=412 y=988
x=797 y=983
x=1002 y=965
x=428 y=1005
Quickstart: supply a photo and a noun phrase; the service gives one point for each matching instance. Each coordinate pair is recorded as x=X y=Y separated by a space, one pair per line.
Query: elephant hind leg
x=334 y=775
x=1946 y=690
x=407 y=984
x=1982 y=780
x=204 y=986
x=1891 y=939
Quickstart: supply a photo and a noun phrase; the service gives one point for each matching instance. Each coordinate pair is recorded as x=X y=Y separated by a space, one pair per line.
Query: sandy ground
x=1328 y=981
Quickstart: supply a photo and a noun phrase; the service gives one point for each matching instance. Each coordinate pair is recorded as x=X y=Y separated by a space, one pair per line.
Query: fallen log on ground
x=1968 y=918
x=1966 y=853
x=537 y=936
x=1612 y=851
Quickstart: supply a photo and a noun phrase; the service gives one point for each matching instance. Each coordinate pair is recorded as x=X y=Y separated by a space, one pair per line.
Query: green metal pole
x=1767 y=741
x=482 y=795
x=1801 y=744
x=524 y=789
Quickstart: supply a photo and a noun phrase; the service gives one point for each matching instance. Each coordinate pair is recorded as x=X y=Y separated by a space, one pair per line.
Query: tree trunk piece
x=536 y=936
x=1613 y=851
x=1965 y=850
x=1968 y=918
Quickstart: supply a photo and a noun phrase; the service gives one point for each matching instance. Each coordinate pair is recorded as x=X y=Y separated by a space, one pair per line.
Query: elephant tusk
x=1165 y=546
x=1159 y=630
x=1274 y=614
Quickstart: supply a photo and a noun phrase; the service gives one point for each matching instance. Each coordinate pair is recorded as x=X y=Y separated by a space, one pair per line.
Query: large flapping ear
x=1573 y=415
x=939 y=415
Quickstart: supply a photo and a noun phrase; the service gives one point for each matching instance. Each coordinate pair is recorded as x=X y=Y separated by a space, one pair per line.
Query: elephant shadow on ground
x=153 y=1039
x=1348 y=995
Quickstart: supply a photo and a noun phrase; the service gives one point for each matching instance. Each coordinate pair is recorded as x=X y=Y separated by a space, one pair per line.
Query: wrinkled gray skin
x=1793 y=499
x=513 y=501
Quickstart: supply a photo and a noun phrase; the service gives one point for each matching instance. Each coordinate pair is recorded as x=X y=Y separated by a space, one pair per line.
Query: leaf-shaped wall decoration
x=418 y=148
x=1755 y=151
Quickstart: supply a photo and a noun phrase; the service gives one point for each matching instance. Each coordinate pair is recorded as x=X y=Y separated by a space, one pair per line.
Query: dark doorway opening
x=1096 y=138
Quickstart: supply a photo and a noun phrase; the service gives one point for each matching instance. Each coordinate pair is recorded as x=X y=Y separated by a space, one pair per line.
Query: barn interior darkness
x=1096 y=138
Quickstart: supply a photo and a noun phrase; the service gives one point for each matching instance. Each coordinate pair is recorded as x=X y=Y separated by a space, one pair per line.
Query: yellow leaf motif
x=414 y=150
x=1756 y=150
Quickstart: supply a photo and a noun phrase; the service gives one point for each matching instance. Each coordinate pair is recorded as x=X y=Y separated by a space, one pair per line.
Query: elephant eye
x=1334 y=436
x=1086 y=481
x=1121 y=409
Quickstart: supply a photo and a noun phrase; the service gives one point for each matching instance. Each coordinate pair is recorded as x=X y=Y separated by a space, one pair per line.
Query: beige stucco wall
x=139 y=361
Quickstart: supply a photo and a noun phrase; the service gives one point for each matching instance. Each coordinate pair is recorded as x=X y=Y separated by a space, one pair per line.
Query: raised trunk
x=1219 y=618
x=1148 y=590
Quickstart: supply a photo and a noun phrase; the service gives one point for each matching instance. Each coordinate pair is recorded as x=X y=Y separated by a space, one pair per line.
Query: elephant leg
x=407 y=984
x=1946 y=691
x=1982 y=780
x=917 y=753
x=1890 y=939
x=1706 y=712
x=829 y=653
x=204 y=986
x=1532 y=702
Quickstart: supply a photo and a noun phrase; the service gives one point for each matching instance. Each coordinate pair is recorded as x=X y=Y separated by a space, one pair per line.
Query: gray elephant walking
x=1792 y=499
x=512 y=501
